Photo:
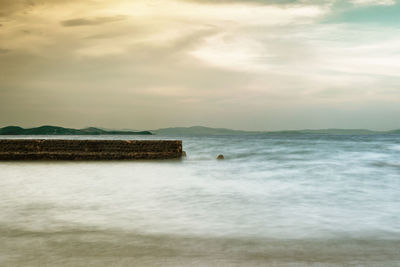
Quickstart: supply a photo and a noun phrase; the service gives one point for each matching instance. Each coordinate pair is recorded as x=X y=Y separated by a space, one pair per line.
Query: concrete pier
x=48 y=149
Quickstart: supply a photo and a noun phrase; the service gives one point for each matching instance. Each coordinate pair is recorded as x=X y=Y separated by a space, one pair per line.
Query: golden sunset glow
x=240 y=64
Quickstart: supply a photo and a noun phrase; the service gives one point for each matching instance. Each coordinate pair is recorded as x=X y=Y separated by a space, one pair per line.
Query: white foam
x=395 y=147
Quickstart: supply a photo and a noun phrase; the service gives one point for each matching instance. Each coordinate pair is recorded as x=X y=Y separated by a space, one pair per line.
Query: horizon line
x=209 y=127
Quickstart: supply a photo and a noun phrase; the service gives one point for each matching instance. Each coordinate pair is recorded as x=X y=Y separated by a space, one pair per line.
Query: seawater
x=269 y=187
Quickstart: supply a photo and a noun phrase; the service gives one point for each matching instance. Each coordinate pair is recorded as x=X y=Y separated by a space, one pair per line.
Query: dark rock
x=220 y=156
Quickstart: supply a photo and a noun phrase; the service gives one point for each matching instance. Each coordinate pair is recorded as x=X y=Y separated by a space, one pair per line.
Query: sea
x=275 y=200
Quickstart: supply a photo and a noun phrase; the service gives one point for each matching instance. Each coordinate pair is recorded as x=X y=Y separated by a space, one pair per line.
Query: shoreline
x=85 y=246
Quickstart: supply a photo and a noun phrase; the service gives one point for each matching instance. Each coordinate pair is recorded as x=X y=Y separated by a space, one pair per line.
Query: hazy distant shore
x=55 y=130
x=179 y=131
x=84 y=247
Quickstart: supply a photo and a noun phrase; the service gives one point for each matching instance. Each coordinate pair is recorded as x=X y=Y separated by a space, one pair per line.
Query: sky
x=239 y=64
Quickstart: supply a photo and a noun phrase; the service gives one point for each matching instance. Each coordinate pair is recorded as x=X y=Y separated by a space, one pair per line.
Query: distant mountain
x=54 y=130
x=178 y=131
x=201 y=130
x=342 y=131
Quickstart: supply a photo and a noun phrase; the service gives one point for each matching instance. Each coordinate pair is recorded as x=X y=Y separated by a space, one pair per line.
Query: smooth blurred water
x=280 y=187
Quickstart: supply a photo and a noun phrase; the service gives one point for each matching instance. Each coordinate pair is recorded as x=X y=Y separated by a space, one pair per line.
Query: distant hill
x=201 y=130
x=178 y=131
x=54 y=130
x=342 y=131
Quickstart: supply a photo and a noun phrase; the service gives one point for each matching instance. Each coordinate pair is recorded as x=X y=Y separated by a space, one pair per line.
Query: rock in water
x=183 y=153
x=220 y=156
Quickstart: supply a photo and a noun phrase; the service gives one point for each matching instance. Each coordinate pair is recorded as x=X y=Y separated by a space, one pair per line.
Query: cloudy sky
x=241 y=64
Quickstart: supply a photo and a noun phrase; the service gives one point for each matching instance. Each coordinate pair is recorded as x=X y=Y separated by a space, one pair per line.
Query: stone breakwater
x=26 y=149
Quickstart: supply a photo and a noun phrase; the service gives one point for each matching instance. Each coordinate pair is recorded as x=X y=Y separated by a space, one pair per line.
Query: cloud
x=91 y=21
x=11 y=7
x=374 y=2
x=143 y=80
x=261 y=2
x=265 y=2
x=363 y=12
x=188 y=62
x=8 y=7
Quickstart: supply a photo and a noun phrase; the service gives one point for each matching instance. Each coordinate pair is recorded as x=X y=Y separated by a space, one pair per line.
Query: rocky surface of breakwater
x=25 y=149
